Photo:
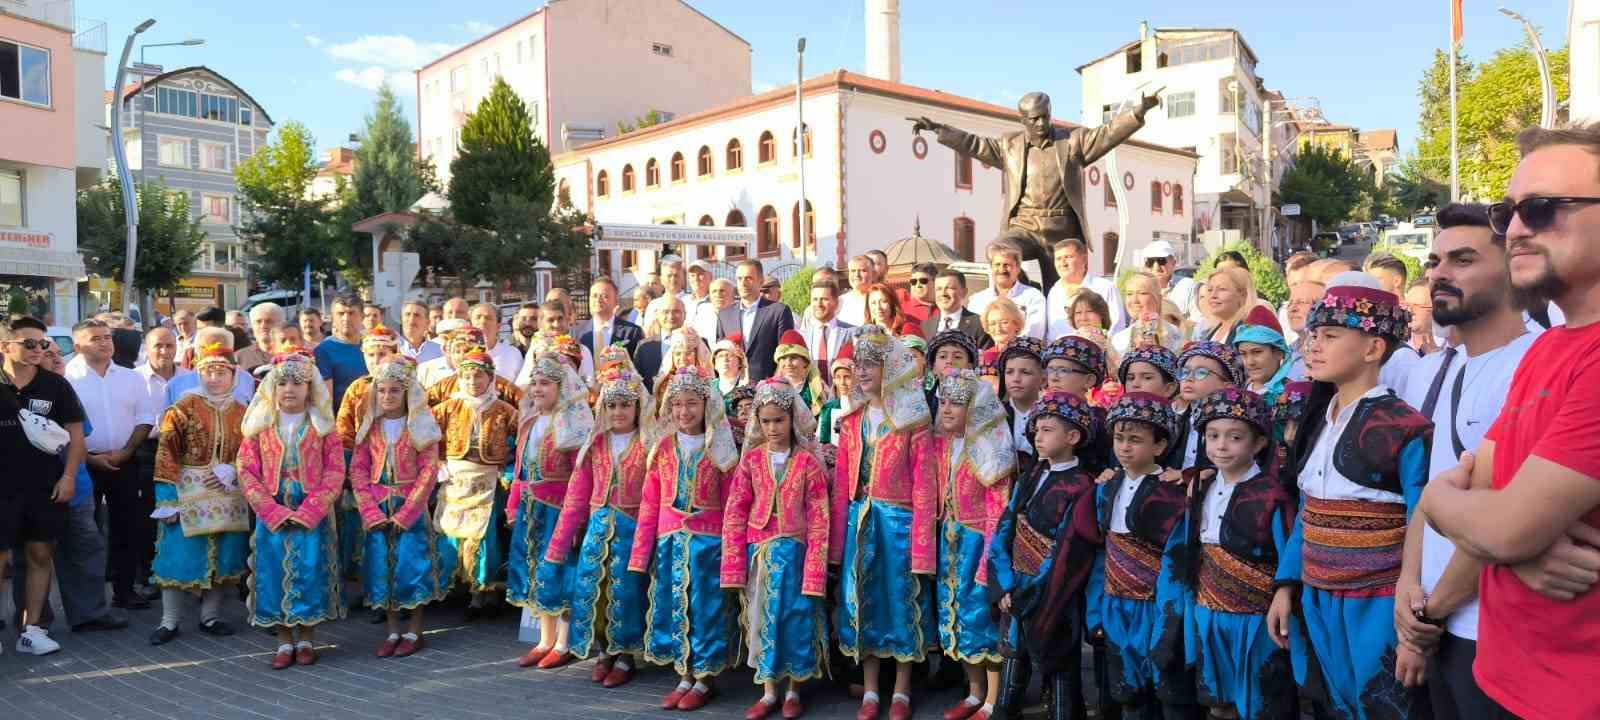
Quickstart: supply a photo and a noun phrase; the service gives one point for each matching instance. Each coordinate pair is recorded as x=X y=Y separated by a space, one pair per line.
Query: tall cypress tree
x=388 y=176
x=499 y=155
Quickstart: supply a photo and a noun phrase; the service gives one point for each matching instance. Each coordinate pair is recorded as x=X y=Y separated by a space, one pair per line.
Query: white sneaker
x=34 y=641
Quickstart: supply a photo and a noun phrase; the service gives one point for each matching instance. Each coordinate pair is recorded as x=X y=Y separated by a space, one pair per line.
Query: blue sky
x=317 y=62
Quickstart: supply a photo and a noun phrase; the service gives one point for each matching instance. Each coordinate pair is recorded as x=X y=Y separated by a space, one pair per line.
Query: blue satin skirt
x=405 y=569
x=884 y=610
x=531 y=581
x=1238 y=664
x=1345 y=655
x=1132 y=628
x=785 y=629
x=967 y=630
x=690 y=623
x=480 y=563
x=608 y=602
x=195 y=563
x=295 y=577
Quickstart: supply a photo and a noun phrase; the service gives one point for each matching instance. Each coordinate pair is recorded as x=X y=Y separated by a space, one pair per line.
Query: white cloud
x=388 y=51
x=476 y=27
x=313 y=41
x=762 y=87
x=372 y=77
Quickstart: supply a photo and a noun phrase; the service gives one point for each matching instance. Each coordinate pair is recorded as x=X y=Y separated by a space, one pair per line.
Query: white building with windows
x=1212 y=102
x=52 y=69
x=869 y=180
x=188 y=129
x=583 y=66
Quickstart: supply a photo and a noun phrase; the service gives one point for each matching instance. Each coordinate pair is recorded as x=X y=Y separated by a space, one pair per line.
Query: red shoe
x=283 y=659
x=792 y=708
x=980 y=715
x=694 y=699
x=408 y=647
x=555 y=659
x=760 y=710
x=900 y=710
x=532 y=657
x=602 y=668
x=305 y=655
x=617 y=677
x=670 y=702
x=868 y=711
x=961 y=711
x=387 y=648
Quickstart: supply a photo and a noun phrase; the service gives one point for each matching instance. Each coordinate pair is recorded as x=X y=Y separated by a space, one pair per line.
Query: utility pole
x=130 y=200
x=804 y=226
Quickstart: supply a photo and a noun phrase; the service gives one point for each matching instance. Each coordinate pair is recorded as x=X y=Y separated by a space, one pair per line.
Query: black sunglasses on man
x=1537 y=213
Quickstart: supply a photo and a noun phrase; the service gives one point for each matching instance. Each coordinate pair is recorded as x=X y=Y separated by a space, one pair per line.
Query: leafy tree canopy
x=169 y=236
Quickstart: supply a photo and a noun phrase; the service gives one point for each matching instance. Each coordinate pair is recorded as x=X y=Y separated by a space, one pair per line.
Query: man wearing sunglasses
x=917 y=301
x=1160 y=260
x=1528 y=504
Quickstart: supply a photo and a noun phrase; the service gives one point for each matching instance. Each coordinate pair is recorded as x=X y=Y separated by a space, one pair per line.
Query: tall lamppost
x=1293 y=113
x=130 y=203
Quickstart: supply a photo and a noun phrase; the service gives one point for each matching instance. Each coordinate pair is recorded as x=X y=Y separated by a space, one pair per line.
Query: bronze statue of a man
x=1044 y=169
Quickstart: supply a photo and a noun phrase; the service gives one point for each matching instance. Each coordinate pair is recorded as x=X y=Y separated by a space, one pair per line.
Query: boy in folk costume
x=794 y=364
x=885 y=505
x=949 y=350
x=291 y=466
x=1239 y=518
x=691 y=625
x=1040 y=560
x=973 y=462
x=1077 y=366
x=1135 y=597
x=601 y=510
x=479 y=434
x=1361 y=460
x=775 y=546
x=556 y=422
x=1264 y=354
x=405 y=563
x=1149 y=369
x=1204 y=368
x=203 y=541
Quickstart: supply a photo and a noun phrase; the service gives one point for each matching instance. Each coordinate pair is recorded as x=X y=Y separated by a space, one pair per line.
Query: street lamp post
x=1267 y=126
x=800 y=144
x=130 y=203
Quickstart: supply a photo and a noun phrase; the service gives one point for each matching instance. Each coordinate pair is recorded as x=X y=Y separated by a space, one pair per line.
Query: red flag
x=1455 y=23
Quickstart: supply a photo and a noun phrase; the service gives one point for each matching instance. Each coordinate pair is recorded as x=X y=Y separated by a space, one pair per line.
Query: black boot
x=1066 y=696
x=1013 y=685
x=1109 y=709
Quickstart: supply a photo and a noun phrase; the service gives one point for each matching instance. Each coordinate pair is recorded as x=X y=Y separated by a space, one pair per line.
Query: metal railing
x=90 y=35
x=54 y=12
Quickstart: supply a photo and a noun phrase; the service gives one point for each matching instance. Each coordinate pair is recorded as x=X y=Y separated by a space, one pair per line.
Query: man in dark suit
x=670 y=316
x=759 y=320
x=950 y=310
x=604 y=327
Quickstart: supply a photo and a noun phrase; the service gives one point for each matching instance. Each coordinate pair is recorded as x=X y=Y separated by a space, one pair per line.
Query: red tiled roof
x=1380 y=139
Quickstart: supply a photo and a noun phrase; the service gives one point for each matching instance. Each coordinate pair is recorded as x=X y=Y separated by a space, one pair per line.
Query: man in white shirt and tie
x=1072 y=268
x=1005 y=272
x=822 y=328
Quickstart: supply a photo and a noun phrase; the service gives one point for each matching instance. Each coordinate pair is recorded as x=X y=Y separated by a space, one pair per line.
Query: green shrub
x=797 y=290
x=1266 y=273
x=1413 y=266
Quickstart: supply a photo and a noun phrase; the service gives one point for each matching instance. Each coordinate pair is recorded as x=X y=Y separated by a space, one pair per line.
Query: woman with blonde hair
x=1004 y=321
x=1147 y=324
x=1231 y=295
x=684 y=349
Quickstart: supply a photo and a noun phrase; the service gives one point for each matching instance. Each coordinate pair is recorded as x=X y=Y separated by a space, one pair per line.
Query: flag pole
x=1455 y=159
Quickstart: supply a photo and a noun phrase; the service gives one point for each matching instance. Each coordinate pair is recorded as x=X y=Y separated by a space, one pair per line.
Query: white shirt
x=507 y=360
x=392 y=427
x=1191 y=448
x=1216 y=504
x=1125 y=492
x=704 y=317
x=433 y=371
x=421 y=352
x=747 y=319
x=946 y=322
x=1396 y=373
x=1182 y=293
x=659 y=304
x=1483 y=394
x=1058 y=311
x=690 y=444
x=814 y=338
x=1027 y=297
x=853 y=308
x=1321 y=479
x=1019 y=428
x=156 y=388
x=115 y=403
x=777 y=460
x=288 y=422
x=618 y=445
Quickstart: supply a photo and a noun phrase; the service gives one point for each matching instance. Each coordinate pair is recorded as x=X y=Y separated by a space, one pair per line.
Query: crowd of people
x=1378 y=500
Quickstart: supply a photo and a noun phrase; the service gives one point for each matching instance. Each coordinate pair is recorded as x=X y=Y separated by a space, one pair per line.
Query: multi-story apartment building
x=188 y=129
x=51 y=74
x=1212 y=104
x=1380 y=150
x=582 y=66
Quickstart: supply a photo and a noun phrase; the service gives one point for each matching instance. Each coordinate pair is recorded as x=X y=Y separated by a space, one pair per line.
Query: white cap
x=1157 y=249
x=700 y=265
x=450 y=325
x=1355 y=278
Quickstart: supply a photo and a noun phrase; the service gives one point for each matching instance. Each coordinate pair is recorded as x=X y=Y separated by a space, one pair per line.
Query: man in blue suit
x=604 y=327
x=760 y=321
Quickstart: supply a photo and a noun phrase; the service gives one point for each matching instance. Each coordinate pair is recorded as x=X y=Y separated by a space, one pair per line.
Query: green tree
x=1265 y=274
x=284 y=228
x=169 y=236
x=1412 y=189
x=1325 y=184
x=499 y=154
x=654 y=117
x=796 y=289
x=388 y=178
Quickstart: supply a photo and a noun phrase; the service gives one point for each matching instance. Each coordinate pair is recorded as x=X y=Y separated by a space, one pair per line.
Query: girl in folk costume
x=884 y=507
x=843 y=370
x=1264 y=354
x=973 y=462
x=1135 y=597
x=1239 y=518
x=556 y=422
x=205 y=537
x=1040 y=560
x=378 y=346
x=291 y=465
x=775 y=546
x=601 y=509
x=730 y=364
x=690 y=624
x=479 y=433
x=685 y=349
x=795 y=365
x=405 y=563
x=739 y=404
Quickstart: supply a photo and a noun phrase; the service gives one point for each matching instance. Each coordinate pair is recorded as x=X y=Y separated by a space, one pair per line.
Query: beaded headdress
x=563 y=345
x=420 y=424
x=1223 y=354
x=958 y=386
x=296 y=365
x=1080 y=350
x=1070 y=408
x=619 y=383
x=1375 y=312
x=477 y=358
x=872 y=344
x=1234 y=404
x=401 y=369
x=692 y=380
x=1147 y=408
x=1158 y=356
x=778 y=392
x=548 y=365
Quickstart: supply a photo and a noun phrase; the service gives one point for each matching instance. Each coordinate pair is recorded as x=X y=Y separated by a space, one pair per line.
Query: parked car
x=1414 y=242
x=63 y=337
x=289 y=300
x=1325 y=243
x=1422 y=221
x=1384 y=222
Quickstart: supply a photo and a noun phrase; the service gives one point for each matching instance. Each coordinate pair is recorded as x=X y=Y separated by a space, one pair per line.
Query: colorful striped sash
x=1029 y=548
x=1230 y=584
x=1132 y=565
x=1352 y=546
